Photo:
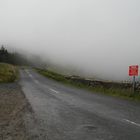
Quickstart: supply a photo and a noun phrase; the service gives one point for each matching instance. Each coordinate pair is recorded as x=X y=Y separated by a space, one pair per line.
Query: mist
x=91 y=38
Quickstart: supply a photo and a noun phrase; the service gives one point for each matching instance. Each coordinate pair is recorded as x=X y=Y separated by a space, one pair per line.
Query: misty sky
x=98 y=37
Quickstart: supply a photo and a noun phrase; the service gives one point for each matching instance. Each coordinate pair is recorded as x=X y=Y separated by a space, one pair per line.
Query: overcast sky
x=98 y=37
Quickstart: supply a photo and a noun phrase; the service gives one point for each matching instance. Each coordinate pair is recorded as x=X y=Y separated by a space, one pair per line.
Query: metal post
x=133 y=84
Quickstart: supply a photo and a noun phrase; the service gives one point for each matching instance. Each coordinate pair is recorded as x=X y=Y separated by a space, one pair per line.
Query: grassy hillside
x=8 y=73
x=119 y=90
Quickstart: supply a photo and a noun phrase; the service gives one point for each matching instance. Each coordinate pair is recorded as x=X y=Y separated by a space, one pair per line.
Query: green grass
x=125 y=93
x=8 y=73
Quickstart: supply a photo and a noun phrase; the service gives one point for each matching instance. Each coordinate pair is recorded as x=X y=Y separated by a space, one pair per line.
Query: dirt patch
x=15 y=114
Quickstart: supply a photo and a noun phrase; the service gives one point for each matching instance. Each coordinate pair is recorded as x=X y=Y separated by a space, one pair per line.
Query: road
x=67 y=113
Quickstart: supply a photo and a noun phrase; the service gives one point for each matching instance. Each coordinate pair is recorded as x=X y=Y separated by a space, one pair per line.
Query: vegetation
x=8 y=73
x=122 y=92
x=12 y=58
x=8 y=60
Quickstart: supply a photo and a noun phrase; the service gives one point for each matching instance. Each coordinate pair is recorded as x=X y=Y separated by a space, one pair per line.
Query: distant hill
x=12 y=58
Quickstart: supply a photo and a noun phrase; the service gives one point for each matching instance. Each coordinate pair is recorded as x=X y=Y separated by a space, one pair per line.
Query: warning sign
x=133 y=70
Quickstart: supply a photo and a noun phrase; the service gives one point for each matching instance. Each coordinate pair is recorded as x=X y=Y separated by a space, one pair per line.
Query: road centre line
x=131 y=122
x=36 y=81
x=27 y=71
x=54 y=90
x=30 y=75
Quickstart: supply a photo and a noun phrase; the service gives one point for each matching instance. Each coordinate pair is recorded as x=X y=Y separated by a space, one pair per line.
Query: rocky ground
x=17 y=120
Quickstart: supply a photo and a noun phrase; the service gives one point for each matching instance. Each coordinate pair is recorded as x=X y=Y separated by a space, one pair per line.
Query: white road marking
x=54 y=90
x=30 y=75
x=27 y=71
x=36 y=81
x=134 y=123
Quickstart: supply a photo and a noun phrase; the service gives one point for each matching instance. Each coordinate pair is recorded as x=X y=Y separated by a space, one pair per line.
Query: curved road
x=67 y=113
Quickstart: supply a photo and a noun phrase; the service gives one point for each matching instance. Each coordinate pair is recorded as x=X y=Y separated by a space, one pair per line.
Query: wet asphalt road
x=67 y=113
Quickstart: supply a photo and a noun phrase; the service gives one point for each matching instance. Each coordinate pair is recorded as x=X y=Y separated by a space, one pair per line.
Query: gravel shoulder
x=17 y=119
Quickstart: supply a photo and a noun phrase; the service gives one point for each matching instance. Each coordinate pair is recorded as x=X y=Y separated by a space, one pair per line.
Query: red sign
x=133 y=70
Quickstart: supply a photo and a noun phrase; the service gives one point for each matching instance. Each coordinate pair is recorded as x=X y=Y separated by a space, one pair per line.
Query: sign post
x=134 y=83
x=133 y=71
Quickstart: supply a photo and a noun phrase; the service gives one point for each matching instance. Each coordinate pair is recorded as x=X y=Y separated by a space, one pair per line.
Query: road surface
x=67 y=113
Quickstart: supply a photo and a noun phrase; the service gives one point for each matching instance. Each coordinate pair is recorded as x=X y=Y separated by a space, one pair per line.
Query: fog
x=93 y=38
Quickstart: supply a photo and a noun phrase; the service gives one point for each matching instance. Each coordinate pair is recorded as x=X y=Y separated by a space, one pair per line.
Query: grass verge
x=8 y=73
x=125 y=93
